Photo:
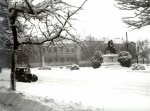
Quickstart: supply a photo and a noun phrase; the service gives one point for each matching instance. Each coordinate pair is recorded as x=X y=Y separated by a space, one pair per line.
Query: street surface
x=111 y=88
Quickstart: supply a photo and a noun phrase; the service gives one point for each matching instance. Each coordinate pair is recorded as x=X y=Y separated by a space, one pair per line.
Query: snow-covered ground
x=5 y=108
x=108 y=88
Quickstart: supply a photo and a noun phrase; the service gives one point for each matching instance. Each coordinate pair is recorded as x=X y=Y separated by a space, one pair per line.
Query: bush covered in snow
x=124 y=58
x=138 y=67
x=97 y=59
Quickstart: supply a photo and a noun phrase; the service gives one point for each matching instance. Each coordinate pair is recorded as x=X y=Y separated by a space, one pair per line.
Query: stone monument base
x=110 y=59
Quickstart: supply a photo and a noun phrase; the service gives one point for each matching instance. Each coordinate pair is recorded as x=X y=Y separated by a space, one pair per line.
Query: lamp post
x=127 y=45
x=137 y=52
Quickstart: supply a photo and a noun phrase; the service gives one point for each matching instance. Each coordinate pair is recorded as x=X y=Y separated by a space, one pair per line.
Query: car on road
x=23 y=74
x=74 y=67
x=45 y=68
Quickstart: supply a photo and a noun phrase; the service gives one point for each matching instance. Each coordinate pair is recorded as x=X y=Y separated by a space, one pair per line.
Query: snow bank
x=20 y=102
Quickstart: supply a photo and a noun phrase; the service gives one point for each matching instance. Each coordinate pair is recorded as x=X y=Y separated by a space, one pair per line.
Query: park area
x=108 y=88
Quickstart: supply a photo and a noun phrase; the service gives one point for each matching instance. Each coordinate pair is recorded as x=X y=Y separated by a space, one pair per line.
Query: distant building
x=55 y=55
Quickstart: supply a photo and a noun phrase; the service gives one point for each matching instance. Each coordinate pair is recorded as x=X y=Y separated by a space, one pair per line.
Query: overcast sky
x=101 y=19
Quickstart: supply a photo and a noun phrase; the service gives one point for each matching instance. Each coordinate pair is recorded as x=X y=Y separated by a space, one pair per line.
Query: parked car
x=68 y=66
x=23 y=74
x=138 y=67
x=45 y=68
x=74 y=67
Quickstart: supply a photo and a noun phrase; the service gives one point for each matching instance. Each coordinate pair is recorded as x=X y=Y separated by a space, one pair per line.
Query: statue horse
x=111 y=47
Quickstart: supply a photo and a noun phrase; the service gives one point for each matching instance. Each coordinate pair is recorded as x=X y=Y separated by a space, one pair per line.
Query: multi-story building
x=55 y=55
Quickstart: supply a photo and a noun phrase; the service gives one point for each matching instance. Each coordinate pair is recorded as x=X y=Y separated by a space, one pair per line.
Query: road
x=112 y=88
x=104 y=87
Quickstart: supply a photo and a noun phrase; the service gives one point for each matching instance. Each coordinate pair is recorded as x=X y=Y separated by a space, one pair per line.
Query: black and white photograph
x=74 y=55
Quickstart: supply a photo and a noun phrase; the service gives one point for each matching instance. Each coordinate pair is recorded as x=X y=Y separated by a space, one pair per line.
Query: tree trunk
x=137 y=52
x=13 y=70
x=40 y=48
x=13 y=61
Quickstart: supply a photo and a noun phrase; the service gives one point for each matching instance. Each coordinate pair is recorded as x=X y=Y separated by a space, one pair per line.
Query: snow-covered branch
x=44 y=21
x=141 y=9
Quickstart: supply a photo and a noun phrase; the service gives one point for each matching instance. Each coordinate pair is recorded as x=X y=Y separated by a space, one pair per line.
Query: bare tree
x=144 y=49
x=37 y=23
x=5 y=45
x=91 y=46
x=141 y=9
x=3 y=24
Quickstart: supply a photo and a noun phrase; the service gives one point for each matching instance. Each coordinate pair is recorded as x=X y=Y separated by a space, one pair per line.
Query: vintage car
x=74 y=67
x=45 y=68
x=23 y=74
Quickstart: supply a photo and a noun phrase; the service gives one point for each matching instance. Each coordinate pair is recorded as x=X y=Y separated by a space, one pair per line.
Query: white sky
x=101 y=19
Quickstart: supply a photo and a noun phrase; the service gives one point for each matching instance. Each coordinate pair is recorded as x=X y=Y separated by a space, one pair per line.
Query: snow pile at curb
x=20 y=102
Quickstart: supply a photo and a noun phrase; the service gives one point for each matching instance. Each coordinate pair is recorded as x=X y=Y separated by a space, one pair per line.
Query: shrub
x=124 y=58
x=97 y=59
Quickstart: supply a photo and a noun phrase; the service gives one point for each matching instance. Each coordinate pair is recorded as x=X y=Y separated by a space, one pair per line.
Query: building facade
x=55 y=55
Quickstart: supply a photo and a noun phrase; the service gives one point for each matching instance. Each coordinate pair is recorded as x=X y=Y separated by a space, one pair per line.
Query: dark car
x=23 y=74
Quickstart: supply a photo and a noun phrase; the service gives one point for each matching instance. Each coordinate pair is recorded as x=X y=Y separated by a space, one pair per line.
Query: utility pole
x=137 y=52
x=127 y=45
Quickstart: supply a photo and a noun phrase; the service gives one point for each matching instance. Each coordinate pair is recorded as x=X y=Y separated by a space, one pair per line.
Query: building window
x=61 y=48
x=56 y=59
x=67 y=50
x=49 y=50
x=55 y=49
x=67 y=58
x=58 y=49
x=72 y=58
x=62 y=59
x=72 y=50
x=43 y=50
x=50 y=60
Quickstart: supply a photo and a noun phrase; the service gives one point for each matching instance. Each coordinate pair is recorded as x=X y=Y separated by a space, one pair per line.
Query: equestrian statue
x=111 y=47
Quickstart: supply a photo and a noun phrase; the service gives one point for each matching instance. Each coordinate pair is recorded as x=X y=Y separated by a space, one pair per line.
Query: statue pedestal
x=110 y=59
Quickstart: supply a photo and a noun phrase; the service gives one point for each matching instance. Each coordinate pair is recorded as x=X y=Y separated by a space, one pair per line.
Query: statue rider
x=111 y=47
